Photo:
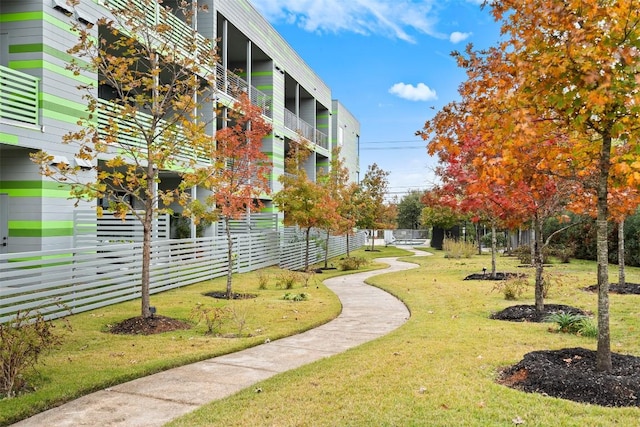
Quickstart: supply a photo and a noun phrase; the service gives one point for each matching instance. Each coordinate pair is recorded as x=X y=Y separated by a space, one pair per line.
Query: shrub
x=213 y=317
x=307 y=277
x=458 y=249
x=352 y=263
x=239 y=315
x=523 y=253
x=512 y=288
x=22 y=342
x=563 y=253
x=263 y=279
x=554 y=280
x=287 y=279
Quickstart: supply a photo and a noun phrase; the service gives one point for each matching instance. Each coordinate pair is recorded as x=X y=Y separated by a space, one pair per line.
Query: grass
x=439 y=368
x=91 y=359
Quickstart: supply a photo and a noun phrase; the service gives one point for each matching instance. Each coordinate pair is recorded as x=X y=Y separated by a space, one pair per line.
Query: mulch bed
x=497 y=276
x=234 y=295
x=627 y=288
x=528 y=313
x=571 y=374
x=151 y=325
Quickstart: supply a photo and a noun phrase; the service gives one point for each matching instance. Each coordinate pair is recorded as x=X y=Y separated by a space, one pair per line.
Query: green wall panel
x=35 y=189
x=7 y=138
x=40 y=228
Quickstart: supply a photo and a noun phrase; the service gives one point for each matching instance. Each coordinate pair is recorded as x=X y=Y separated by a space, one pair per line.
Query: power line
x=421 y=147
x=392 y=142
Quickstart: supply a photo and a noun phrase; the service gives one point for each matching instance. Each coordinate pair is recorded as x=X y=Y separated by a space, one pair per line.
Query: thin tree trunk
x=532 y=243
x=373 y=239
x=603 y=357
x=229 y=258
x=348 y=254
x=146 y=263
x=621 y=273
x=326 y=251
x=478 y=238
x=306 y=252
x=494 y=249
x=538 y=262
x=147 y=234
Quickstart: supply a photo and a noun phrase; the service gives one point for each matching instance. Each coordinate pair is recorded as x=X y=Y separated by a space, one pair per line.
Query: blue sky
x=388 y=62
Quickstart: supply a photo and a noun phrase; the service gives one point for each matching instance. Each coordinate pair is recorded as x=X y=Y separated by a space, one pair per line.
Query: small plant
x=287 y=279
x=213 y=317
x=458 y=249
x=352 y=263
x=569 y=323
x=588 y=328
x=307 y=277
x=239 y=316
x=512 y=288
x=551 y=281
x=295 y=297
x=22 y=342
x=263 y=279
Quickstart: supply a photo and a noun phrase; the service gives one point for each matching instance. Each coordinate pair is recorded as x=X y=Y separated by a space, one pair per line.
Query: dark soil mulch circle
x=497 y=276
x=151 y=325
x=627 y=288
x=528 y=313
x=571 y=374
x=234 y=295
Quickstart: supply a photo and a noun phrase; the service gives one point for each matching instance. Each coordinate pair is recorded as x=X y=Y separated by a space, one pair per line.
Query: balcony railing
x=296 y=124
x=130 y=131
x=19 y=96
x=181 y=34
x=232 y=84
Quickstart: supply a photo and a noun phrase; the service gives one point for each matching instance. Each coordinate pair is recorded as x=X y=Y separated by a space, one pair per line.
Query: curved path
x=367 y=313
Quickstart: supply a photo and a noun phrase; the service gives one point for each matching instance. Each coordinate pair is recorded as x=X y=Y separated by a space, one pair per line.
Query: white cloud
x=457 y=36
x=392 y=18
x=421 y=92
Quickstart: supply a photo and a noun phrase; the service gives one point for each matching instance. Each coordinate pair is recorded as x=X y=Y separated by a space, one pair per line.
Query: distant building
x=39 y=103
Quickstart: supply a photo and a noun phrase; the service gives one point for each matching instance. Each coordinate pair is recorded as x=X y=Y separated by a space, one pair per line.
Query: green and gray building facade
x=40 y=103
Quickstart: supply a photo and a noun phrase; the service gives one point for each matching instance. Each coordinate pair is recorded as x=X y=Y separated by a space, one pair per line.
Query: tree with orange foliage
x=238 y=175
x=305 y=203
x=336 y=181
x=579 y=61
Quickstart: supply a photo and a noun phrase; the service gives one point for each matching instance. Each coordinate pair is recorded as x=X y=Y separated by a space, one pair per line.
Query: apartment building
x=39 y=103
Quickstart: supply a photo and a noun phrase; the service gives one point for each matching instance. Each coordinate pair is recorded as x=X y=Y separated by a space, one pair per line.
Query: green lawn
x=439 y=368
x=91 y=359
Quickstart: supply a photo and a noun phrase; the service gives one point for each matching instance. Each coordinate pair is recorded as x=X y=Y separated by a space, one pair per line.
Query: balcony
x=129 y=132
x=226 y=81
x=19 y=97
x=296 y=124
x=231 y=84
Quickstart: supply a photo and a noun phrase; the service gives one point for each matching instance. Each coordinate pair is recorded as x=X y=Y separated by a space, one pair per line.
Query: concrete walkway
x=367 y=313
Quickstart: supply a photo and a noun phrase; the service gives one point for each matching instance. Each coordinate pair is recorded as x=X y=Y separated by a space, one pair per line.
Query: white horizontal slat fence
x=91 y=230
x=55 y=283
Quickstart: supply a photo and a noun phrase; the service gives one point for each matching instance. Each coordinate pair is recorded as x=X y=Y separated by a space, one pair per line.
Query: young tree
x=151 y=121
x=305 y=203
x=374 y=214
x=336 y=181
x=238 y=175
x=579 y=60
